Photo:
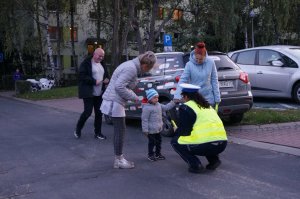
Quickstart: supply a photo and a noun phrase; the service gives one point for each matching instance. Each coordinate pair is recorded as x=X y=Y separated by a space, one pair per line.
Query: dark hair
x=198 y=98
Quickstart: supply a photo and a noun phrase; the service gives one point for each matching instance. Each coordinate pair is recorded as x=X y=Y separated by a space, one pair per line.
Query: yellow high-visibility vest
x=207 y=128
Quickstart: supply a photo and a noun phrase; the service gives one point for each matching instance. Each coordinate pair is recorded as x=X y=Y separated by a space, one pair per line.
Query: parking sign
x=167 y=40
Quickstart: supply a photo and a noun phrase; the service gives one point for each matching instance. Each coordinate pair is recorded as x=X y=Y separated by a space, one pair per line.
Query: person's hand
x=106 y=81
x=146 y=134
x=174 y=125
x=98 y=82
x=177 y=101
x=137 y=100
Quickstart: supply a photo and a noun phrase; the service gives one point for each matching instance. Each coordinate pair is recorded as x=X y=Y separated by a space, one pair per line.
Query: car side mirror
x=277 y=63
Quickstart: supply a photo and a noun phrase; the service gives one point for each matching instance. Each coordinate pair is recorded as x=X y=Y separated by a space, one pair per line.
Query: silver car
x=274 y=71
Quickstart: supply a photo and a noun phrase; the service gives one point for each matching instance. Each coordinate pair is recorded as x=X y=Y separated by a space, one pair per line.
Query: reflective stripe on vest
x=207 y=128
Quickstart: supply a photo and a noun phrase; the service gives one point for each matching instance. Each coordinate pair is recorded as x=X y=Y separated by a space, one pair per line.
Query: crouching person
x=200 y=131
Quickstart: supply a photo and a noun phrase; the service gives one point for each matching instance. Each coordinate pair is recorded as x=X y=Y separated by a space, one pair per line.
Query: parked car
x=234 y=86
x=273 y=70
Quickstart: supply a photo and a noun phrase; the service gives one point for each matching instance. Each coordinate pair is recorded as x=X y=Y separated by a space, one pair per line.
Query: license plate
x=225 y=84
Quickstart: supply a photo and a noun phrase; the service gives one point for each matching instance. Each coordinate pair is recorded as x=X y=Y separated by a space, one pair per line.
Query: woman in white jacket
x=119 y=90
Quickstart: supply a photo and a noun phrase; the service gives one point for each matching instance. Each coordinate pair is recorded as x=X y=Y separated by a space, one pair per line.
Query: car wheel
x=107 y=119
x=168 y=130
x=296 y=93
x=236 y=118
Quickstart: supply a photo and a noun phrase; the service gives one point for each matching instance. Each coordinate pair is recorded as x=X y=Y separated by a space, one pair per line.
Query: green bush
x=22 y=87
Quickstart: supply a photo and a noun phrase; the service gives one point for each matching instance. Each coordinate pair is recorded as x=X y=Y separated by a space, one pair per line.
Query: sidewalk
x=284 y=137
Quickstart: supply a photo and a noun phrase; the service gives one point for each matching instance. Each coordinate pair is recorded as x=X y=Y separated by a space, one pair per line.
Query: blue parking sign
x=1 y=57
x=167 y=40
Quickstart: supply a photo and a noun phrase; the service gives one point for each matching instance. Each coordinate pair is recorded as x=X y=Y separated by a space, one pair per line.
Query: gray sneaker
x=122 y=163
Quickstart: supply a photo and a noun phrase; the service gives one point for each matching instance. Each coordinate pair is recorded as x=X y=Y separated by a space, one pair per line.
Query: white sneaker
x=122 y=163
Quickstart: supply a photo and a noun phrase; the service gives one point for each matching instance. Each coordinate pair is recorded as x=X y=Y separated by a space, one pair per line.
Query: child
x=152 y=123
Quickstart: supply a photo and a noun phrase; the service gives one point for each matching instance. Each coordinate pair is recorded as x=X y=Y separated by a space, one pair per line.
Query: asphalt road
x=40 y=159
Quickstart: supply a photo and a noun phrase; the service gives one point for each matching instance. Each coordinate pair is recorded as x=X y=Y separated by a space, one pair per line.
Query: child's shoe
x=160 y=157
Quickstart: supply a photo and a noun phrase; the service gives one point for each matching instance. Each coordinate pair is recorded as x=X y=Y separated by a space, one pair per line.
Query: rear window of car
x=167 y=64
x=223 y=62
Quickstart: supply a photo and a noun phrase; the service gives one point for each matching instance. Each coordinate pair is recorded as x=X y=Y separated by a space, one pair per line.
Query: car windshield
x=223 y=62
x=295 y=52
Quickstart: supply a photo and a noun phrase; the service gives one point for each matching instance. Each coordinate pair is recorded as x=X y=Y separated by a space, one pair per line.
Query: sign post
x=167 y=43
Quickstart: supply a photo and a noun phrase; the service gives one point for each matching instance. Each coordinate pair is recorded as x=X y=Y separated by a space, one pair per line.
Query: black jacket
x=187 y=118
x=86 y=80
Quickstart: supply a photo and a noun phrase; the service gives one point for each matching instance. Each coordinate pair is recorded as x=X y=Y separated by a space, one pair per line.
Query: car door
x=246 y=60
x=272 y=80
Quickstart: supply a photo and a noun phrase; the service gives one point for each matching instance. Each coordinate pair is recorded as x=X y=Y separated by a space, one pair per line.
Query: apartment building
x=84 y=33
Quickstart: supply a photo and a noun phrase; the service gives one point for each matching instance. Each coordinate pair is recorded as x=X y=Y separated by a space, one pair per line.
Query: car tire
x=107 y=119
x=296 y=93
x=168 y=130
x=236 y=118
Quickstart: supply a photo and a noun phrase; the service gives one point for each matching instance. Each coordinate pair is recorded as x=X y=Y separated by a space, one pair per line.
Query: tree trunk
x=49 y=45
x=72 y=8
x=128 y=26
x=16 y=40
x=98 y=21
x=58 y=36
x=40 y=43
x=275 y=23
x=115 y=41
x=151 y=39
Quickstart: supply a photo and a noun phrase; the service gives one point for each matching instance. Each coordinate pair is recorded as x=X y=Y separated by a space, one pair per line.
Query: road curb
x=267 y=146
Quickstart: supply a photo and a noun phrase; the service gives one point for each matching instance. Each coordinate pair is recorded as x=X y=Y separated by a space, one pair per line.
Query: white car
x=274 y=71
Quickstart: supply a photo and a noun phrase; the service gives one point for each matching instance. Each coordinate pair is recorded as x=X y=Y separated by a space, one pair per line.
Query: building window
x=53 y=33
x=68 y=61
x=177 y=15
x=65 y=60
x=163 y=13
x=67 y=34
x=54 y=60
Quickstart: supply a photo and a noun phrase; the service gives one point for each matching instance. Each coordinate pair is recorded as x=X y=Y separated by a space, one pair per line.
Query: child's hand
x=177 y=101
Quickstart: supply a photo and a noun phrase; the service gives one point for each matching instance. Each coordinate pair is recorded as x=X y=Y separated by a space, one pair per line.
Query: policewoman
x=200 y=131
